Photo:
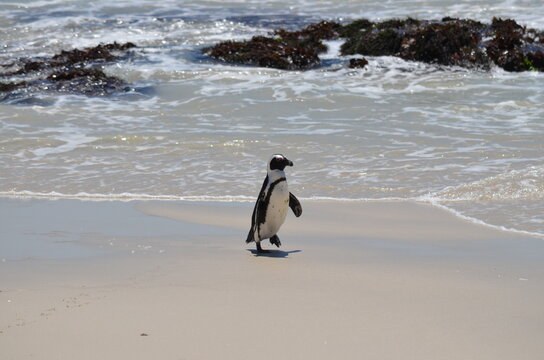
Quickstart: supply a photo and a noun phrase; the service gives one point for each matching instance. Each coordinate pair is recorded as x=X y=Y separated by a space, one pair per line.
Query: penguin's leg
x=259 y=248
x=275 y=240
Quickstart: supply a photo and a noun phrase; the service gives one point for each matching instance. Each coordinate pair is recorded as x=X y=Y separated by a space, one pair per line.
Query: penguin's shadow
x=273 y=253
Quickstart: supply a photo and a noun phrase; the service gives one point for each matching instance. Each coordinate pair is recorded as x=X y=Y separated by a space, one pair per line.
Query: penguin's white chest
x=276 y=211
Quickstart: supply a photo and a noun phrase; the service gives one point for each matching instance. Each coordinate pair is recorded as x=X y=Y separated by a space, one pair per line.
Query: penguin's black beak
x=289 y=162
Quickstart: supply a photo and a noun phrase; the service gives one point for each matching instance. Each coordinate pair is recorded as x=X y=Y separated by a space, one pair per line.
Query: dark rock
x=102 y=52
x=266 y=52
x=93 y=74
x=535 y=61
x=452 y=43
x=324 y=30
x=71 y=71
x=287 y=50
x=311 y=36
x=505 y=49
x=398 y=23
x=373 y=43
x=76 y=57
x=6 y=87
x=534 y=36
x=375 y=39
x=449 y=41
x=31 y=66
x=358 y=63
x=87 y=81
x=354 y=28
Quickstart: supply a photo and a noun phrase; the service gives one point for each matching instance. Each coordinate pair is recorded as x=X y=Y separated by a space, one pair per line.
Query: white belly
x=276 y=211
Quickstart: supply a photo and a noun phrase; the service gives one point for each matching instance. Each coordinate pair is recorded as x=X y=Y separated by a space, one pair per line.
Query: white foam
x=480 y=222
x=333 y=49
x=134 y=197
x=523 y=184
x=70 y=142
x=53 y=195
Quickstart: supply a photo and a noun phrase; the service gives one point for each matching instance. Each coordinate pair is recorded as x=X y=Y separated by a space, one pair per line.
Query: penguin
x=272 y=204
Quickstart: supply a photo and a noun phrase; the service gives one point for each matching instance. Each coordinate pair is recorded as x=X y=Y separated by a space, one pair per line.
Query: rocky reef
x=449 y=41
x=287 y=50
x=357 y=63
x=515 y=48
x=76 y=71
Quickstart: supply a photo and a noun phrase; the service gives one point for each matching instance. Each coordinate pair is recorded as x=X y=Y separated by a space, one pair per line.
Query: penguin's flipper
x=294 y=204
x=275 y=240
x=256 y=211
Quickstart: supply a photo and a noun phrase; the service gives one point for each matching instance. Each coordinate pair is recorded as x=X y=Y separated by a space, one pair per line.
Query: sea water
x=195 y=129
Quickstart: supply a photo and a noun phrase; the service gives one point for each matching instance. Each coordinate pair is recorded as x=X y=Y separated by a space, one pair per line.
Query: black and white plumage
x=272 y=204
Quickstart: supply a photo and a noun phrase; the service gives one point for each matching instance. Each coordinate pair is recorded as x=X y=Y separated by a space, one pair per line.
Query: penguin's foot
x=275 y=240
x=260 y=249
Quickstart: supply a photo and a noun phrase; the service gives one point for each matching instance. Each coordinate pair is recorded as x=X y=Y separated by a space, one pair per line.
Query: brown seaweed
x=449 y=41
x=75 y=71
x=287 y=50
x=359 y=63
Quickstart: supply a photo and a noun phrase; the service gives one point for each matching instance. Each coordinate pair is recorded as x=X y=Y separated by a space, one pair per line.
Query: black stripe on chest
x=264 y=205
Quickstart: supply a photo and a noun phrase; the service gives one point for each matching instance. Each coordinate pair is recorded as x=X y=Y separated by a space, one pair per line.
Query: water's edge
x=246 y=199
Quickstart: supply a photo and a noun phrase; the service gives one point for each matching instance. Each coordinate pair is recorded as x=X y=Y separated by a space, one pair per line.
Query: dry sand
x=174 y=280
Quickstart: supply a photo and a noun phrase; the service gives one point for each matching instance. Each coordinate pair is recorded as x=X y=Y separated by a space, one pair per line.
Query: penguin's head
x=279 y=162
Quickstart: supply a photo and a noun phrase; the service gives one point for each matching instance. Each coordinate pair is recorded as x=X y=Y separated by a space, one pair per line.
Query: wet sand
x=175 y=280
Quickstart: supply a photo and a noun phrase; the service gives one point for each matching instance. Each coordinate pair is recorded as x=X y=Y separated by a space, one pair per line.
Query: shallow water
x=197 y=129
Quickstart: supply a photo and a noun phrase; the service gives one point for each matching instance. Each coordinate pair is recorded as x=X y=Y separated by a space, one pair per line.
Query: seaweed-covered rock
x=6 y=87
x=399 y=23
x=324 y=30
x=87 y=81
x=354 y=28
x=449 y=41
x=311 y=36
x=373 y=42
x=535 y=61
x=99 y=53
x=375 y=39
x=266 y=52
x=506 y=46
x=72 y=58
x=357 y=63
x=71 y=71
x=287 y=50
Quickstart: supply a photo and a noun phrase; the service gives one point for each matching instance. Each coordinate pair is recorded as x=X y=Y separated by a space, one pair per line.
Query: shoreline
x=132 y=197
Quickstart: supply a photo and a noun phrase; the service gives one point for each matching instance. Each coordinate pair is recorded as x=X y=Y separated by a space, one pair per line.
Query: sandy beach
x=174 y=280
x=134 y=136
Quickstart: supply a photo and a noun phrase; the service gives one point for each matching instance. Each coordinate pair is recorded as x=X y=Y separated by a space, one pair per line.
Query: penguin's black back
x=260 y=210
